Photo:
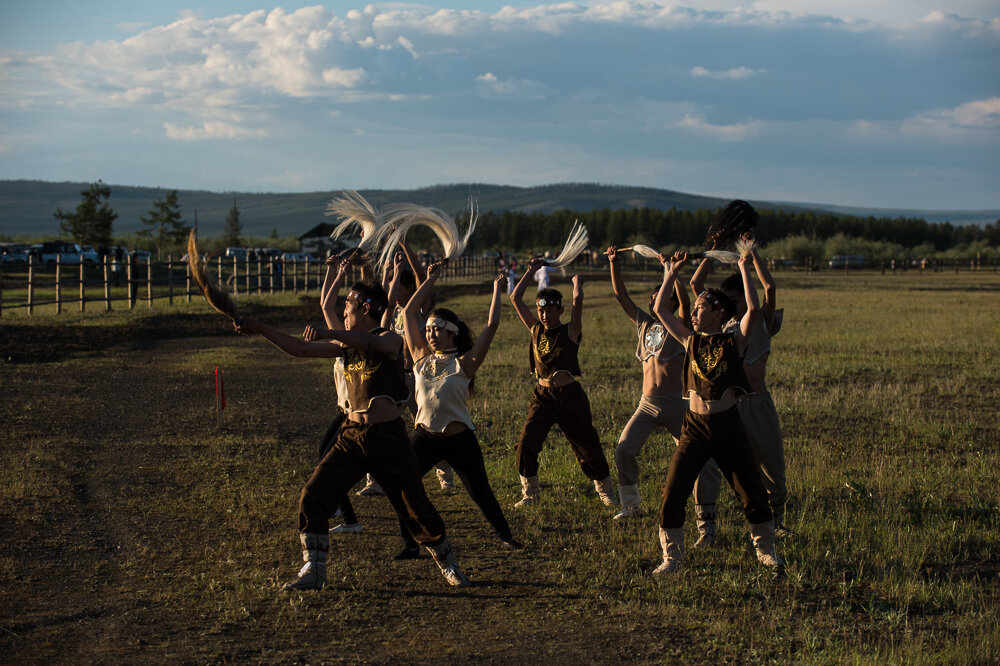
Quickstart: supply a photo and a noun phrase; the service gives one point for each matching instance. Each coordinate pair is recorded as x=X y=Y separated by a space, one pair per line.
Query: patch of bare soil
x=87 y=575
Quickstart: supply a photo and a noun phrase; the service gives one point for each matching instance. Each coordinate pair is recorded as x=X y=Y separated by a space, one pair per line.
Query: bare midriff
x=561 y=378
x=703 y=407
x=756 y=373
x=379 y=411
x=452 y=428
x=660 y=378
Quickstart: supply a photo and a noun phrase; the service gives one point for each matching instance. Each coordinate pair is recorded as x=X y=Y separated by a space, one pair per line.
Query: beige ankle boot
x=606 y=491
x=763 y=543
x=672 y=543
x=530 y=492
x=312 y=575
x=445 y=558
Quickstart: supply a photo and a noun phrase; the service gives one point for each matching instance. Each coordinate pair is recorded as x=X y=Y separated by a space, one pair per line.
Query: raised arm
x=472 y=359
x=336 y=274
x=661 y=307
x=700 y=274
x=618 y=285
x=767 y=281
x=576 y=315
x=525 y=313
x=416 y=341
x=684 y=302
x=750 y=290
x=393 y=290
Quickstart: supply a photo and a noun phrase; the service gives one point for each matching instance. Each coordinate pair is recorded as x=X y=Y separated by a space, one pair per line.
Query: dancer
x=757 y=410
x=558 y=397
x=444 y=370
x=661 y=404
x=713 y=378
x=401 y=288
x=372 y=439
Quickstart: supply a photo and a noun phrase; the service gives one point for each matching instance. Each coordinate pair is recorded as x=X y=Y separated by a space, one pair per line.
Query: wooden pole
x=31 y=284
x=149 y=282
x=170 y=279
x=187 y=280
x=236 y=277
x=83 y=297
x=58 y=283
x=107 y=283
x=270 y=269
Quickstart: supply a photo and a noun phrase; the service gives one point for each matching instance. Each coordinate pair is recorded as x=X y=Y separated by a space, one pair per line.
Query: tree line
x=798 y=232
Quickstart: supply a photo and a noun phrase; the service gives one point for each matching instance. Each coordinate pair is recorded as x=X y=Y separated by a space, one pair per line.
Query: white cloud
x=734 y=73
x=494 y=88
x=211 y=130
x=733 y=132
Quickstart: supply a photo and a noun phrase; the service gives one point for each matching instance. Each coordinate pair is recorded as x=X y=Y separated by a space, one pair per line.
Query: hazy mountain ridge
x=26 y=206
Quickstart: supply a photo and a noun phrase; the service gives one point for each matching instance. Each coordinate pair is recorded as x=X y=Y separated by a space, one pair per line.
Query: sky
x=894 y=104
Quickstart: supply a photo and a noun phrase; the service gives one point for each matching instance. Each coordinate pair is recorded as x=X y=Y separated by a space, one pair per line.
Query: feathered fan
x=723 y=256
x=355 y=211
x=400 y=218
x=735 y=219
x=218 y=297
x=575 y=244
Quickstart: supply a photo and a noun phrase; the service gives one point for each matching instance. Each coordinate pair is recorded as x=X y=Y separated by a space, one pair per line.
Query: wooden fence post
x=31 y=284
x=170 y=279
x=187 y=280
x=83 y=298
x=129 y=275
x=149 y=282
x=295 y=275
x=107 y=283
x=270 y=270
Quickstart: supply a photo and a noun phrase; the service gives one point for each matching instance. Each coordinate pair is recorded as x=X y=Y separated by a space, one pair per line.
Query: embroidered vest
x=713 y=364
x=370 y=374
x=552 y=351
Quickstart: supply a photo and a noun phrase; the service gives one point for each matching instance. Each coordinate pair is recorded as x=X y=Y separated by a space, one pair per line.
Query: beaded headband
x=356 y=297
x=544 y=302
x=439 y=322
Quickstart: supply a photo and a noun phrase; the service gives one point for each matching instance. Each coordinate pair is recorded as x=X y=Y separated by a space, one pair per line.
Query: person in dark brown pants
x=373 y=439
x=558 y=397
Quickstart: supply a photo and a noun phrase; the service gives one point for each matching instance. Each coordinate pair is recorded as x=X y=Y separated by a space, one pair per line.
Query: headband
x=356 y=297
x=543 y=301
x=439 y=322
x=711 y=298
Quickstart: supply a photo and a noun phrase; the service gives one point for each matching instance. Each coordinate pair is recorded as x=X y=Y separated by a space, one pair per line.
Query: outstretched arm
x=684 y=307
x=618 y=285
x=472 y=359
x=528 y=317
x=753 y=306
x=288 y=343
x=393 y=290
x=661 y=307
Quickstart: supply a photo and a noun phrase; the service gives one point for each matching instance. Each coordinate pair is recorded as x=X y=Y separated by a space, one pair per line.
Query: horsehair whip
x=355 y=211
x=217 y=296
x=576 y=243
x=400 y=218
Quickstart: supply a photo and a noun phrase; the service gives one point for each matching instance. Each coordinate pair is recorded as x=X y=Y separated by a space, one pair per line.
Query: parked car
x=847 y=261
x=89 y=255
x=14 y=254
x=143 y=256
x=67 y=253
x=238 y=253
x=299 y=257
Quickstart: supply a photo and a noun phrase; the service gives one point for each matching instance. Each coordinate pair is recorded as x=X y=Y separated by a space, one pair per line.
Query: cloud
x=211 y=130
x=734 y=73
x=733 y=132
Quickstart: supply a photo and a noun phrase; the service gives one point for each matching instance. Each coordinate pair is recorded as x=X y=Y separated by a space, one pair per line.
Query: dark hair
x=463 y=339
x=719 y=297
x=674 y=301
x=374 y=296
x=550 y=293
x=736 y=218
x=733 y=283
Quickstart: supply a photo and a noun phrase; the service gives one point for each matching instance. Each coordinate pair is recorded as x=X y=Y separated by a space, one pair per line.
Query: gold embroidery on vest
x=354 y=365
x=544 y=348
x=706 y=363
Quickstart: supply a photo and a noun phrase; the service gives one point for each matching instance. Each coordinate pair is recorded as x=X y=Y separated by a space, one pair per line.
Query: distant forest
x=686 y=228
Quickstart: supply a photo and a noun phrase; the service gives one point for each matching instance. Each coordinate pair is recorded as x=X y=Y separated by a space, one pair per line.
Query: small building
x=318 y=243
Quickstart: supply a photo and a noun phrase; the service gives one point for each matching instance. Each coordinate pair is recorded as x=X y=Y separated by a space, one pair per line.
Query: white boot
x=530 y=492
x=445 y=558
x=445 y=475
x=606 y=491
x=371 y=488
x=763 y=543
x=707 y=529
x=312 y=575
x=631 y=502
x=672 y=543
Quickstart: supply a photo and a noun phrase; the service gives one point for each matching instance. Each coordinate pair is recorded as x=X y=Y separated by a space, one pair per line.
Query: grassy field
x=134 y=530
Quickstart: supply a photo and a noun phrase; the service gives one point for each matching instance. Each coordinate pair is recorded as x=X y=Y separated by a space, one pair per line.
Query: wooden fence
x=129 y=284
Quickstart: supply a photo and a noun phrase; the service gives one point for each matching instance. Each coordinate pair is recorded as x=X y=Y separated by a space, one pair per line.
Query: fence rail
x=103 y=286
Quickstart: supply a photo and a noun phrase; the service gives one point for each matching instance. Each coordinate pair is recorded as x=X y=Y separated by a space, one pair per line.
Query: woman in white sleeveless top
x=445 y=361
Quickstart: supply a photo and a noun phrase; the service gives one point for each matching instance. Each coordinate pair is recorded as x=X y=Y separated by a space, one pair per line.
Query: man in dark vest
x=373 y=439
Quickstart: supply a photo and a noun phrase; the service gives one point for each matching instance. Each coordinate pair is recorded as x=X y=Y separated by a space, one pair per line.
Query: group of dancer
x=704 y=381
